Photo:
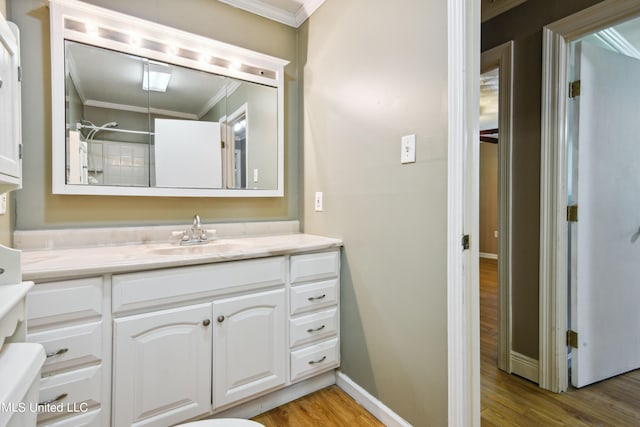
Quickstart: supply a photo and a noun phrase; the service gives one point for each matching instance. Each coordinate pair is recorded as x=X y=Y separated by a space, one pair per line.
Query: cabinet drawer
x=313 y=296
x=324 y=265
x=313 y=359
x=314 y=327
x=55 y=302
x=90 y=418
x=149 y=288
x=70 y=392
x=70 y=347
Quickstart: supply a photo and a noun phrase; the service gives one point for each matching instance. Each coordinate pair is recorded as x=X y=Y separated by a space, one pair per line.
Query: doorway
x=496 y=124
x=555 y=172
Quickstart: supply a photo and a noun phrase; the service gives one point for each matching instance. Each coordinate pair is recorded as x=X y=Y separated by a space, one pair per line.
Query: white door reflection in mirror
x=187 y=154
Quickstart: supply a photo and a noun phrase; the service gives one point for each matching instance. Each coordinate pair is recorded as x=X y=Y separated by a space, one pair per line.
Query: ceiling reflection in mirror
x=138 y=122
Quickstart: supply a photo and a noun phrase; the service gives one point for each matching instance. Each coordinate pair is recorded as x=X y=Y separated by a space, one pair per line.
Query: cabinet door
x=10 y=127
x=249 y=355
x=162 y=366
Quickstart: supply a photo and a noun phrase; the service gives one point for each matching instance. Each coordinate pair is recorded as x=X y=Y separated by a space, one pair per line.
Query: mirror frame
x=93 y=25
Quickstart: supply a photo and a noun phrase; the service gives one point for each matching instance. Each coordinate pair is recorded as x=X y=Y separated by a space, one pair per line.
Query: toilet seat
x=222 y=422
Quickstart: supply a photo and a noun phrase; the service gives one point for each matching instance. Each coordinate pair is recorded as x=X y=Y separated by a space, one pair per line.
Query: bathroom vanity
x=159 y=334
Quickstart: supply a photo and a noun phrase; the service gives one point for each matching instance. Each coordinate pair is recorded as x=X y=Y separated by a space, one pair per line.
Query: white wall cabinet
x=249 y=345
x=162 y=365
x=10 y=114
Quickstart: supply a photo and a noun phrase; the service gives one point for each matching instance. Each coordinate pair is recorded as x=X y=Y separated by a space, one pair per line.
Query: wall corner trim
x=369 y=402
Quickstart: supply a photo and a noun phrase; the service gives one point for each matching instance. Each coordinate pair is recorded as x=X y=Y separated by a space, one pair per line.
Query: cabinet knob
x=206 y=322
x=1 y=270
x=220 y=319
x=0 y=83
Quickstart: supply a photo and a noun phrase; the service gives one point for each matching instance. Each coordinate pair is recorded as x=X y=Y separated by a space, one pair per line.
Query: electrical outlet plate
x=408 y=149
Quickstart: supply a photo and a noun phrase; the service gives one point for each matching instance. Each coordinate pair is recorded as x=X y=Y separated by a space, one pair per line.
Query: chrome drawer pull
x=51 y=401
x=317 y=298
x=57 y=353
x=313 y=362
x=316 y=329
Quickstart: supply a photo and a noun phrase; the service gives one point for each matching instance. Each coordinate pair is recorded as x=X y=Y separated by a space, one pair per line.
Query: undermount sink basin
x=213 y=247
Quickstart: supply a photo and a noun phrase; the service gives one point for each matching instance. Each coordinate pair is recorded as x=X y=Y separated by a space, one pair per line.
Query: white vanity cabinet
x=66 y=317
x=10 y=121
x=249 y=346
x=162 y=346
x=314 y=325
x=162 y=365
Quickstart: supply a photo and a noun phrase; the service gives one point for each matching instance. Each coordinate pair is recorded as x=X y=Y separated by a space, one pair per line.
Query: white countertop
x=69 y=263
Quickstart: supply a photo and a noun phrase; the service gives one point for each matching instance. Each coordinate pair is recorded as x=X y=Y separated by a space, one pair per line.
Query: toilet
x=20 y=365
x=223 y=422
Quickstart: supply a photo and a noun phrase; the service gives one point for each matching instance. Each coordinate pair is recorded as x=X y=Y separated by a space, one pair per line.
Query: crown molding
x=292 y=19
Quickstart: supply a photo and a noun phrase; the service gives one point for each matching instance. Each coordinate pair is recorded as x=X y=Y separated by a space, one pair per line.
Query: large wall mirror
x=142 y=109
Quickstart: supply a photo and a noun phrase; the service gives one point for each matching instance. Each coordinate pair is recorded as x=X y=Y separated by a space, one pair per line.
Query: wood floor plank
x=329 y=407
x=507 y=400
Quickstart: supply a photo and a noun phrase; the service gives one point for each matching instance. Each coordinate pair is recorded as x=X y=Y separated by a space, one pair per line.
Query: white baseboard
x=279 y=397
x=488 y=255
x=525 y=367
x=370 y=403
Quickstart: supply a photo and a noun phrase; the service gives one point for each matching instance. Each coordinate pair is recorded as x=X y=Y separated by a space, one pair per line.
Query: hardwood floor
x=329 y=407
x=508 y=400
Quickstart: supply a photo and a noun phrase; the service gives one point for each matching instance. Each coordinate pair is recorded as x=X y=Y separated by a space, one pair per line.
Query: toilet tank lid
x=20 y=365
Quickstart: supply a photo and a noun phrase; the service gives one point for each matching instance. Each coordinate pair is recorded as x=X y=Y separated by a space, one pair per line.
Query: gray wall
x=37 y=208
x=524 y=25
x=375 y=70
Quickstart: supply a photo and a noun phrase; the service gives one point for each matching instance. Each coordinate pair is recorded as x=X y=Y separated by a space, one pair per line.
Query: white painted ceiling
x=289 y=12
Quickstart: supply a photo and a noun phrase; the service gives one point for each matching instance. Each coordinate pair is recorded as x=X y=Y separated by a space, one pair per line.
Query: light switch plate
x=3 y=203
x=408 y=149
x=255 y=175
x=318 y=202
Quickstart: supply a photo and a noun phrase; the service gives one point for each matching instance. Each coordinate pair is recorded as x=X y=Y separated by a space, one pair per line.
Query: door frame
x=463 y=296
x=553 y=180
x=501 y=57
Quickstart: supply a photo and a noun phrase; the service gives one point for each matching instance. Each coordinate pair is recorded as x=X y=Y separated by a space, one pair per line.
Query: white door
x=605 y=270
x=249 y=341
x=162 y=366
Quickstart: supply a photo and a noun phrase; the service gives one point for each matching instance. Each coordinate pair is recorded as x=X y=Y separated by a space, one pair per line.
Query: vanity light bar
x=121 y=37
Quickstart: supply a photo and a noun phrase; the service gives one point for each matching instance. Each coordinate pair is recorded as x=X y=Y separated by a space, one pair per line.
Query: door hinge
x=19 y=73
x=572 y=338
x=465 y=242
x=574 y=89
x=20 y=151
x=572 y=213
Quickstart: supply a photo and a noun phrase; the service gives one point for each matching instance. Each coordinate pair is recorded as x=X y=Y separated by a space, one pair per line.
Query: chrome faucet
x=196 y=235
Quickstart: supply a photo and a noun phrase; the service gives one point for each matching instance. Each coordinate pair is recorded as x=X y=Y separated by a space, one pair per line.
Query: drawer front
x=55 y=302
x=314 y=327
x=324 y=265
x=90 y=418
x=70 y=392
x=314 y=359
x=314 y=296
x=70 y=347
x=145 y=289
